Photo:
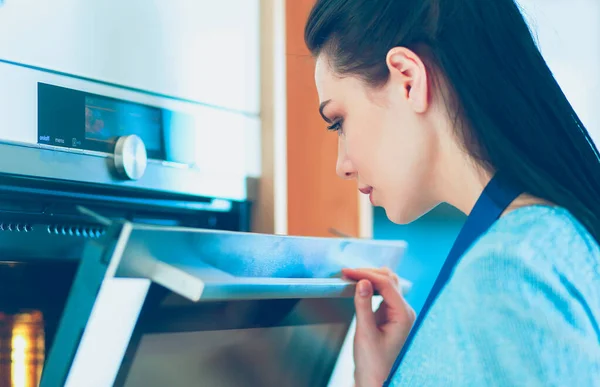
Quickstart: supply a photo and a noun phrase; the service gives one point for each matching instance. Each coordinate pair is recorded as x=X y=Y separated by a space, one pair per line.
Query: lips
x=366 y=190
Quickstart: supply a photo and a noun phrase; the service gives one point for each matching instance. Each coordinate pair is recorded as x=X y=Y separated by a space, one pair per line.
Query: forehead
x=325 y=78
x=341 y=89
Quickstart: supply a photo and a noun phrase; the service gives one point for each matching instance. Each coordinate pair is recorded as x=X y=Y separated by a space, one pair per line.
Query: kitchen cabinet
x=205 y=51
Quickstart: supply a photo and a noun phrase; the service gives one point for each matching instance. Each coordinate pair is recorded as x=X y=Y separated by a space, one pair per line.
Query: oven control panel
x=68 y=128
x=77 y=120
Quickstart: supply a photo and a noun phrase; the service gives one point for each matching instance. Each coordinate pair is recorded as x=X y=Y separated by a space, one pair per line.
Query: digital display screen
x=74 y=119
x=108 y=119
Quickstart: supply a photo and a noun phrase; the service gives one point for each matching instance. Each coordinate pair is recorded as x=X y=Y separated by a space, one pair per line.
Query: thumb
x=365 y=318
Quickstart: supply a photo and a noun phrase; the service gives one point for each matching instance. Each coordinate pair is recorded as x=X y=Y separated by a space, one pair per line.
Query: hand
x=379 y=335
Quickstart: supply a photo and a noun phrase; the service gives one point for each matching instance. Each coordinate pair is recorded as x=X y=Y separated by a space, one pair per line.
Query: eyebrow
x=321 y=107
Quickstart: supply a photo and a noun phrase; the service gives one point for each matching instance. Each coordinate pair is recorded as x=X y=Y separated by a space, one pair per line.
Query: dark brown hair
x=512 y=115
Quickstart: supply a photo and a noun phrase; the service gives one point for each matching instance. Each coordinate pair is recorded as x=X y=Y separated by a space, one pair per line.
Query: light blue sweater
x=521 y=309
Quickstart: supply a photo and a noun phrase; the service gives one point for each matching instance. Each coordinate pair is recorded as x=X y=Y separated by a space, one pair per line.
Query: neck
x=461 y=182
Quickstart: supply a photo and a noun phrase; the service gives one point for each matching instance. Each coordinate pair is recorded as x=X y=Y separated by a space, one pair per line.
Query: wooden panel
x=317 y=199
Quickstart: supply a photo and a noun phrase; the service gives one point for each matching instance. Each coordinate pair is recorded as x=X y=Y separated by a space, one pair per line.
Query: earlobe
x=407 y=68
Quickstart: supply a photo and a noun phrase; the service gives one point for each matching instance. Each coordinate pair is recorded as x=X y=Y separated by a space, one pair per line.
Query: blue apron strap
x=494 y=200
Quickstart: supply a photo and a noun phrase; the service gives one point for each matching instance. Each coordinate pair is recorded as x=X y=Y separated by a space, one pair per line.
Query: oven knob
x=130 y=157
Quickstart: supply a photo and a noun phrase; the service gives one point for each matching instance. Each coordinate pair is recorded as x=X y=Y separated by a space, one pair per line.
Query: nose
x=344 y=167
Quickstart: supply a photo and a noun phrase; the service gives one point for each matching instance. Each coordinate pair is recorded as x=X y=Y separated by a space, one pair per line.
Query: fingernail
x=363 y=289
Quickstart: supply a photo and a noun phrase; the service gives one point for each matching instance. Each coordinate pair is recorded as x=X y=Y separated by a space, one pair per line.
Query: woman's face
x=388 y=139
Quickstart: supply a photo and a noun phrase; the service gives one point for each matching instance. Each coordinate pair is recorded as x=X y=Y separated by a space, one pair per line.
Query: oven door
x=165 y=306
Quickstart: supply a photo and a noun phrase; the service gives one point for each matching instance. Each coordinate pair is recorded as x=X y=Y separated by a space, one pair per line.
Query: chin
x=405 y=215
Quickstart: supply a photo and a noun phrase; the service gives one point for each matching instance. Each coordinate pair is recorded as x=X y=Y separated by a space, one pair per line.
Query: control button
x=130 y=157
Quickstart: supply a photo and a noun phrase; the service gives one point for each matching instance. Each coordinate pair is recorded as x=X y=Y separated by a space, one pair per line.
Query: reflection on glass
x=296 y=356
x=106 y=119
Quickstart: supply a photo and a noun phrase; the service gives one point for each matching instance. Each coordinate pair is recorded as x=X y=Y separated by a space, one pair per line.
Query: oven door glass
x=265 y=343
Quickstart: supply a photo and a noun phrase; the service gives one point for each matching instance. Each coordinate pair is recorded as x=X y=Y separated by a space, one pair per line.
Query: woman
x=450 y=101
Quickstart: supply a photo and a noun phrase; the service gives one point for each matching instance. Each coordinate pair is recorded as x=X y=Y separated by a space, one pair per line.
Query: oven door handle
x=280 y=288
x=210 y=284
x=217 y=265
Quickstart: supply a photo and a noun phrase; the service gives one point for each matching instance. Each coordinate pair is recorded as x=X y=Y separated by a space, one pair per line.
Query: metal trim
x=125 y=87
x=81 y=168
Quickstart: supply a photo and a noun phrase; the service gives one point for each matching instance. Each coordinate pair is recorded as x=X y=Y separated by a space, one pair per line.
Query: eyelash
x=336 y=127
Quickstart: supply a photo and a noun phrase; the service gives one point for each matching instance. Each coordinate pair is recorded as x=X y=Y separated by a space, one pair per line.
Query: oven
x=127 y=257
x=128 y=155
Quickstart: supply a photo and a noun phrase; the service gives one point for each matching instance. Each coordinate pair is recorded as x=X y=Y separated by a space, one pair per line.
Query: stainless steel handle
x=213 y=285
x=279 y=288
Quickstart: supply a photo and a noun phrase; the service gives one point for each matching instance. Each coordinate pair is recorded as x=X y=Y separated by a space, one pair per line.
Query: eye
x=336 y=127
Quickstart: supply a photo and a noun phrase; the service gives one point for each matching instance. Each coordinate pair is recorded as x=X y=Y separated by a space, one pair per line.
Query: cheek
x=360 y=144
x=405 y=157
x=405 y=175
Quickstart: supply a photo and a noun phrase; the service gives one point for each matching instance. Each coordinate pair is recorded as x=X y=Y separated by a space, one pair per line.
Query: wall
x=568 y=35
x=269 y=213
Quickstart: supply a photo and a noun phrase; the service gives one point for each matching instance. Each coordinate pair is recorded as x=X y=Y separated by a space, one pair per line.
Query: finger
x=384 y=284
x=381 y=314
x=387 y=271
x=365 y=318
x=382 y=270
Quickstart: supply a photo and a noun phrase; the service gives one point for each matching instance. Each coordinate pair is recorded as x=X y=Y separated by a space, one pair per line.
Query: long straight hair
x=511 y=114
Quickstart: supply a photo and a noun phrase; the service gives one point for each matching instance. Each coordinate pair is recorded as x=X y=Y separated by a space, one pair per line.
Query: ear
x=409 y=72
